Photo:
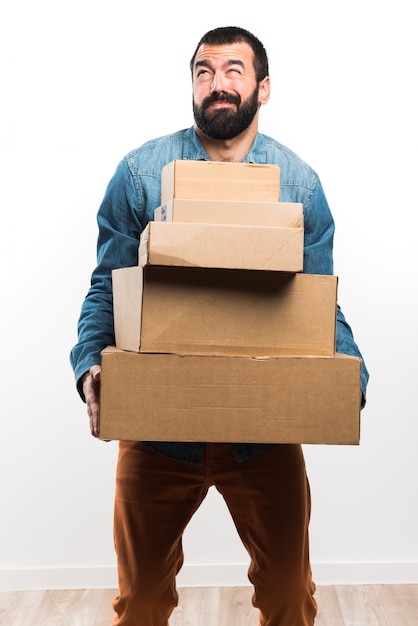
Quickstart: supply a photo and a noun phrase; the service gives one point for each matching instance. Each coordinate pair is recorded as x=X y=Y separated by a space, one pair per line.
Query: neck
x=233 y=150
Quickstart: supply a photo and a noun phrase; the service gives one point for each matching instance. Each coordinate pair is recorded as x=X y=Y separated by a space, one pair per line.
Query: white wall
x=84 y=82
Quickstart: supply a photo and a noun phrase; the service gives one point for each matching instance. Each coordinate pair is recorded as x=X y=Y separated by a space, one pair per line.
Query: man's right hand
x=91 y=390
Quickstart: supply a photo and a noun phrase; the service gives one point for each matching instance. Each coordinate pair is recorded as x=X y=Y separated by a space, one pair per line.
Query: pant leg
x=269 y=500
x=155 y=499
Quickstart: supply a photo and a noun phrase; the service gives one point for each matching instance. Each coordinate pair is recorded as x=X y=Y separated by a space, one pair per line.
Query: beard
x=226 y=124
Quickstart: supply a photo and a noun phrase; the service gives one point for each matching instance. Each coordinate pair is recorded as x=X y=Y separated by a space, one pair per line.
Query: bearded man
x=160 y=485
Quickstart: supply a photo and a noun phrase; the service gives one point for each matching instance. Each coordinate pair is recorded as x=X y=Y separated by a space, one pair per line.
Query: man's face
x=225 y=90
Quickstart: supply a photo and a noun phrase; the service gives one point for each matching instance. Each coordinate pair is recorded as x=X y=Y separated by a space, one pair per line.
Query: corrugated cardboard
x=168 y=397
x=222 y=245
x=213 y=311
x=218 y=180
x=289 y=214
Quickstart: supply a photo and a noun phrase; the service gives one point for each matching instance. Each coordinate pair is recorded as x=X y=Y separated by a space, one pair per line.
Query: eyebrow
x=205 y=63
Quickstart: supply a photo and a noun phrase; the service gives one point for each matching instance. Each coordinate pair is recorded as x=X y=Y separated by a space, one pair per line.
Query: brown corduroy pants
x=269 y=500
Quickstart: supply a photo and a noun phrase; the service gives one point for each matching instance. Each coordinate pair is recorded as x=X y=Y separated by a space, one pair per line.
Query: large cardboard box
x=289 y=214
x=215 y=311
x=222 y=245
x=218 y=180
x=168 y=397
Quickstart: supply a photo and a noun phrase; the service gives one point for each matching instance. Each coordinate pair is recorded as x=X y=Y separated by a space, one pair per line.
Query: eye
x=235 y=70
x=203 y=73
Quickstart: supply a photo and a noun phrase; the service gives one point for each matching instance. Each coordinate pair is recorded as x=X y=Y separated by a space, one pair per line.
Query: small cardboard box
x=288 y=214
x=168 y=397
x=223 y=246
x=214 y=311
x=218 y=180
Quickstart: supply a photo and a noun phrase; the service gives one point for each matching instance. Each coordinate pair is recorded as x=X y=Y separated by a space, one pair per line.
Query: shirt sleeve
x=119 y=225
x=318 y=259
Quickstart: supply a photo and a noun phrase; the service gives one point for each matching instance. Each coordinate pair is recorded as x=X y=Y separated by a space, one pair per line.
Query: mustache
x=221 y=96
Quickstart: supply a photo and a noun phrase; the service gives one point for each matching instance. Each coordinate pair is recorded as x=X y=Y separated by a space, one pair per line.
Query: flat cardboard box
x=218 y=180
x=214 y=311
x=168 y=397
x=288 y=214
x=223 y=246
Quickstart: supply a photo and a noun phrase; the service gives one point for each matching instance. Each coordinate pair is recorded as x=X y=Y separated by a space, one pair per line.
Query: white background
x=82 y=83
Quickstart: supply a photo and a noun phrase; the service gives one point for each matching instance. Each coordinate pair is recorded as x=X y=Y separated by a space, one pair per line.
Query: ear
x=264 y=90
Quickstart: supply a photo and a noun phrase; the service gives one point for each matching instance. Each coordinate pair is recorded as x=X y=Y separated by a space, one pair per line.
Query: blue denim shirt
x=128 y=205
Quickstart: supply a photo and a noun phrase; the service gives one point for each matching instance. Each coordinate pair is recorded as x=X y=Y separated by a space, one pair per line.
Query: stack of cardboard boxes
x=219 y=334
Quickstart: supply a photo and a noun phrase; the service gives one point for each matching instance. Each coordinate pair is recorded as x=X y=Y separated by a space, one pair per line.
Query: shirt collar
x=194 y=151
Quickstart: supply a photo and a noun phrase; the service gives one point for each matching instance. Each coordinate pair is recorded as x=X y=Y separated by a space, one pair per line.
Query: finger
x=94 y=420
x=95 y=371
x=93 y=408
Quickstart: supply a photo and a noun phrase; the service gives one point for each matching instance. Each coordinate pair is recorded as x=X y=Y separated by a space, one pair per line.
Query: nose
x=218 y=82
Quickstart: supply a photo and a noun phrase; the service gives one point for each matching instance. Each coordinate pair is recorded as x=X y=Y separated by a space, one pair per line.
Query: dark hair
x=234 y=34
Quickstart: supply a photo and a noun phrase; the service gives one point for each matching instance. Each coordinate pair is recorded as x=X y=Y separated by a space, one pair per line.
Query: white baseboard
x=213 y=575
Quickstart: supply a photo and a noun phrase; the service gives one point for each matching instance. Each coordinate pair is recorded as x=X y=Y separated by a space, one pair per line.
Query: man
x=160 y=485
